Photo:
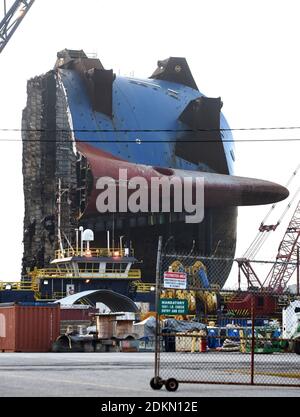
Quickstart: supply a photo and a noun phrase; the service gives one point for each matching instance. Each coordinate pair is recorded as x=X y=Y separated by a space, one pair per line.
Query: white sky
x=246 y=51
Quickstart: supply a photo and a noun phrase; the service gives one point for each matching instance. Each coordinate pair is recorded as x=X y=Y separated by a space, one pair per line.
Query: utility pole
x=59 y=196
x=59 y=217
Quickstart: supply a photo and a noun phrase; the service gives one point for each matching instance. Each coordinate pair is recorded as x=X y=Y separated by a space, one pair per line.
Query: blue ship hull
x=140 y=106
x=161 y=121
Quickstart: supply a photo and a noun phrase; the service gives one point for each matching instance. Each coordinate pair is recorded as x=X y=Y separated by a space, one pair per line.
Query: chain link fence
x=217 y=324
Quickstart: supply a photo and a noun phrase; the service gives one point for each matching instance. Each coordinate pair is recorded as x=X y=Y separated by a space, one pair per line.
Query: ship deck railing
x=95 y=252
x=86 y=273
x=144 y=286
x=18 y=286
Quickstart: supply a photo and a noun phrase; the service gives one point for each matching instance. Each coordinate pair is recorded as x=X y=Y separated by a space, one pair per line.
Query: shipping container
x=31 y=328
x=77 y=313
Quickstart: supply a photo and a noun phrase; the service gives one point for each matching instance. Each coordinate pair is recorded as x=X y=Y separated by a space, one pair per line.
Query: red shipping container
x=28 y=328
x=79 y=313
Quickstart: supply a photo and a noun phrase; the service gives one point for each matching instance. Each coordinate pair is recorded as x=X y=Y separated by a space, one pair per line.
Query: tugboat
x=81 y=268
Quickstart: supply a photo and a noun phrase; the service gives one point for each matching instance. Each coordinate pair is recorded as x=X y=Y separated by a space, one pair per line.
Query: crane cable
x=263 y=234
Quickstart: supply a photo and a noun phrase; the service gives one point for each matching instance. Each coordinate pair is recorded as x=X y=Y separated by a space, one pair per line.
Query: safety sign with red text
x=175 y=280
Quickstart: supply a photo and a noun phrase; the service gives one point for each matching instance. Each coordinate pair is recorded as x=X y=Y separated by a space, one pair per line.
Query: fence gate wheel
x=171 y=384
x=156 y=383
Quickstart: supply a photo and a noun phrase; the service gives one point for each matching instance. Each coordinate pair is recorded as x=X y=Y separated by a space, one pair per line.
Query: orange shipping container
x=28 y=328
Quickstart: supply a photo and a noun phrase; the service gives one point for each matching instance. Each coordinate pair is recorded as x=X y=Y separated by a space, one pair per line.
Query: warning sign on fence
x=173 y=306
x=176 y=280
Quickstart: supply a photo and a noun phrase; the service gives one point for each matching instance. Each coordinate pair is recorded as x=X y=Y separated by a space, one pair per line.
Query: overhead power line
x=150 y=130
x=141 y=141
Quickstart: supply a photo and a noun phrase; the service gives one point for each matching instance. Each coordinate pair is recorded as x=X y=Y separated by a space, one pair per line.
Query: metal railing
x=19 y=286
x=94 y=252
x=59 y=295
x=55 y=296
x=87 y=273
x=144 y=286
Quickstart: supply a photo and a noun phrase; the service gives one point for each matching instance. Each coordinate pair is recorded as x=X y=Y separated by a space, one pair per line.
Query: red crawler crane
x=284 y=267
x=287 y=261
x=287 y=256
x=285 y=264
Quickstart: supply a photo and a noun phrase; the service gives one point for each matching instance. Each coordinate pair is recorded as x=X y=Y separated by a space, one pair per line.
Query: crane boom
x=12 y=19
x=286 y=260
x=263 y=230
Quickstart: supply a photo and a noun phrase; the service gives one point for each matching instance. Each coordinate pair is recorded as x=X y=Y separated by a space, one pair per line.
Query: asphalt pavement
x=129 y=374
